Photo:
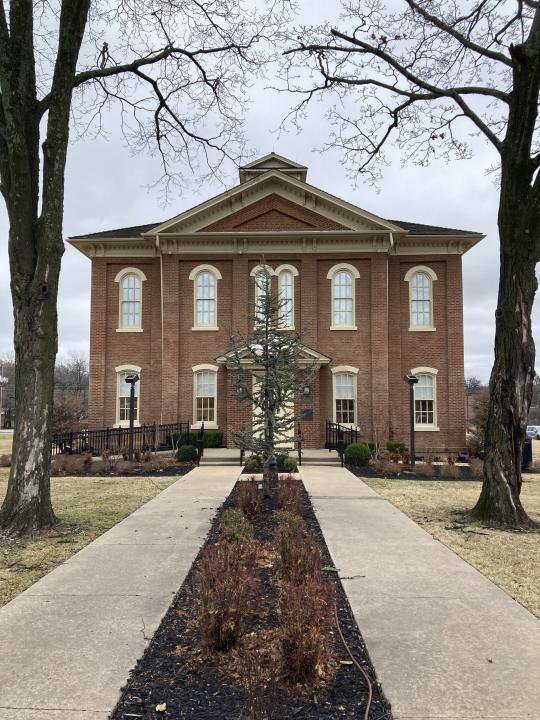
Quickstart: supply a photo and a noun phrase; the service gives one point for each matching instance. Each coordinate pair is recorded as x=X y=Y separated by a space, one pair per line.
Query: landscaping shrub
x=395 y=446
x=387 y=467
x=306 y=619
x=285 y=516
x=357 y=455
x=212 y=438
x=289 y=495
x=125 y=466
x=477 y=468
x=223 y=591
x=300 y=556
x=235 y=525
x=186 y=453
x=247 y=496
x=289 y=465
x=281 y=458
x=254 y=464
x=424 y=470
x=67 y=464
x=5 y=460
x=452 y=472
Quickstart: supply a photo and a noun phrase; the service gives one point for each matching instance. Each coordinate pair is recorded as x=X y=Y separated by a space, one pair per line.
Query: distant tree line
x=70 y=392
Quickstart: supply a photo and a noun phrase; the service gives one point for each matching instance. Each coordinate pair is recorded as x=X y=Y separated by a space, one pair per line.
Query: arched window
x=205 y=395
x=130 y=281
x=123 y=393
x=343 y=278
x=286 y=275
x=205 y=279
x=344 y=386
x=425 y=399
x=420 y=281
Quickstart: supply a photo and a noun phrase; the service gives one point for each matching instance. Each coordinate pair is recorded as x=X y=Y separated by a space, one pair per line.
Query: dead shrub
x=223 y=591
x=137 y=455
x=109 y=461
x=5 y=460
x=477 y=468
x=305 y=621
x=387 y=467
x=451 y=459
x=424 y=470
x=247 y=496
x=452 y=472
x=124 y=452
x=67 y=464
x=97 y=467
x=300 y=555
x=125 y=466
x=289 y=495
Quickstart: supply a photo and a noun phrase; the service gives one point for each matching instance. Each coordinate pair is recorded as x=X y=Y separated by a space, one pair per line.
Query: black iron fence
x=336 y=434
x=115 y=440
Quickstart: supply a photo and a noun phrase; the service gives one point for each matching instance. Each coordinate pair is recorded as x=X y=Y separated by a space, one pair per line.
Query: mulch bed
x=175 y=671
x=171 y=471
x=369 y=472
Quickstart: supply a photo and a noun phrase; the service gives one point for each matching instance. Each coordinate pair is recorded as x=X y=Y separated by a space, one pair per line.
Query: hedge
x=212 y=439
x=357 y=455
x=186 y=453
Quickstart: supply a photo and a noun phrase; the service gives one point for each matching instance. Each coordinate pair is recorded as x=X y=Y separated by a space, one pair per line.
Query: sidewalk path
x=68 y=643
x=446 y=643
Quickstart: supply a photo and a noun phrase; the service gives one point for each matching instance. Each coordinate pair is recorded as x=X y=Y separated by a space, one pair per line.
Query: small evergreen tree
x=276 y=375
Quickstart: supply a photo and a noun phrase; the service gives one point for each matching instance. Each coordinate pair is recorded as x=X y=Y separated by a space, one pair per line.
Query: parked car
x=533 y=432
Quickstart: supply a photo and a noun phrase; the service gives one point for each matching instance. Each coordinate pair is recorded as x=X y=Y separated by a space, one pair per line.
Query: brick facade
x=382 y=348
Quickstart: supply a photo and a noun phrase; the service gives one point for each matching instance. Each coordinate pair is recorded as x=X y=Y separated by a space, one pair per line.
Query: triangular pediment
x=274 y=202
x=308 y=356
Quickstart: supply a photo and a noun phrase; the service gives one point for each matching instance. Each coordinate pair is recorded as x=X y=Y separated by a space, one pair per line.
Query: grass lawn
x=510 y=559
x=85 y=508
x=5 y=443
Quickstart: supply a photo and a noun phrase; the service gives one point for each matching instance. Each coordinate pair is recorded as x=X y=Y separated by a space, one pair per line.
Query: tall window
x=345 y=398
x=424 y=400
x=205 y=396
x=205 y=290
x=123 y=397
x=205 y=294
x=420 y=281
x=262 y=281
x=286 y=297
x=130 y=282
x=343 y=277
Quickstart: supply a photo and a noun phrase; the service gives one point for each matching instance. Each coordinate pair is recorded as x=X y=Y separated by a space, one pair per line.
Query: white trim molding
x=338 y=370
x=119 y=369
x=433 y=427
x=261 y=268
x=432 y=276
x=208 y=424
x=331 y=275
x=291 y=268
x=120 y=275
x=194 y=277
x=294 y=273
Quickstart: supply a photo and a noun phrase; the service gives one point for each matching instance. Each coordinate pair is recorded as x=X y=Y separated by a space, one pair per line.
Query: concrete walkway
x=68 y=643
x=446 y=643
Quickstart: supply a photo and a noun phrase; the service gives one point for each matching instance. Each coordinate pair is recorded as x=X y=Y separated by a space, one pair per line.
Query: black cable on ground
x=364 y=673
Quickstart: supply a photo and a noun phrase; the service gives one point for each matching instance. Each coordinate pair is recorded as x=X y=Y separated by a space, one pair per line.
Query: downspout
x=162 y=345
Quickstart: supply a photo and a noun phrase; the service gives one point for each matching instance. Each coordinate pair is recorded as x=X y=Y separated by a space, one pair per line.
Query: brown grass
x=86 y=508
x=6 y=442
x=510 y=559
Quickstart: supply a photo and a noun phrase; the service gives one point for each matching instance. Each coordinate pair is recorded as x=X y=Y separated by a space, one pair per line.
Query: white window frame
x=207 y=424
x=331 y=275
x=119 y=370
x=354 y=372
x=432 y=276
x=432 y=427
x=193 y=276
x=294 y=274
x=119 y=279
x=254 y=272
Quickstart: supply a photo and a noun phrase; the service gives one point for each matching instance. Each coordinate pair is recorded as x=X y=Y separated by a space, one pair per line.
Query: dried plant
x=234 y=525
x=305 y=620
x=223 y=591
x=247 y=496
x=387 y=467
x=300 y=555
x=289 y=495
x=66 y=464
x=424 y=470
x=5 y=460
x=477 y=468
x=453 y=472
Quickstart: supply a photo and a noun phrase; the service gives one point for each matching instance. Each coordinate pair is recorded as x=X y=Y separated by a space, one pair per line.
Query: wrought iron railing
x=115 y=440
x=336 y=433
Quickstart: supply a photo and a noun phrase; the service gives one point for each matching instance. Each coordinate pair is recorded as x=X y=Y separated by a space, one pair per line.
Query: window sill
x=125 y=425
x=343 y=327
x=286 y=329
x=129 y=330
x=426 y=428
x=212 y=328
x=422 y=329
x=207 y=426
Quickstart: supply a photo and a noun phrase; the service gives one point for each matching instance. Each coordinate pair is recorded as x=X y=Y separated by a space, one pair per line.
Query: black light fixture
x=411 y=381
x=131 y=379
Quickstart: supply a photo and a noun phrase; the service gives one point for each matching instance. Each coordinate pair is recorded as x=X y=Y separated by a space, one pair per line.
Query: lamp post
x=3 y=381
x=131 y=380
x=411 y=381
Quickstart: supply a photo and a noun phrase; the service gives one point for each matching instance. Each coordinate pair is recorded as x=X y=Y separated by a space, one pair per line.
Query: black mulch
x=171 y=471
x=173 y=671
x=438 y=474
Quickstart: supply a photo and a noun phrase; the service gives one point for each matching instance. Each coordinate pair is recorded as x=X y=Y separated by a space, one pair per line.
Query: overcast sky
x=107 y=186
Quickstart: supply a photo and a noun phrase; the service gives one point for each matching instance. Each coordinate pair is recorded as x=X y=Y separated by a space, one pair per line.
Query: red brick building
x=373 y=299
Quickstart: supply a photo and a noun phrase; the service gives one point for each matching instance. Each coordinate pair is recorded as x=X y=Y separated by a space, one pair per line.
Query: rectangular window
x=205 y=289
x=131 y=301
x=205 y=401
x=343 y=299
x=286 y=288
x=124 y=392
x=424 y=400
x=421 y=301
x=345 y=398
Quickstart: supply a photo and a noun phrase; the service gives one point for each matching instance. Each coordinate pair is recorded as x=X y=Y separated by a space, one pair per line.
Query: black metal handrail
x=200 y=445
x=114 y=440
x=336 y=432
x=299 y=441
